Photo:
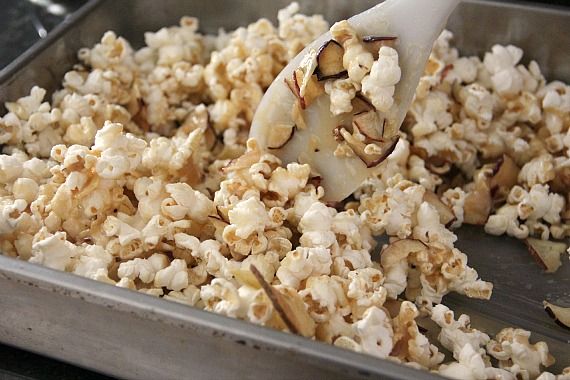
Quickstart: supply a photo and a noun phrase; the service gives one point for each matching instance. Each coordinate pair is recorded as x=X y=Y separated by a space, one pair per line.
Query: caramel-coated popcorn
x=139 y=174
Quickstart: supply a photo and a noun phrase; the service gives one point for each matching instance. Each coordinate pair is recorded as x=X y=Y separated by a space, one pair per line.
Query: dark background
x=22 y=23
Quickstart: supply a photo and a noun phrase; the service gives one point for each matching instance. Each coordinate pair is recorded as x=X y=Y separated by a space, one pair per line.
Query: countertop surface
x=24 y=22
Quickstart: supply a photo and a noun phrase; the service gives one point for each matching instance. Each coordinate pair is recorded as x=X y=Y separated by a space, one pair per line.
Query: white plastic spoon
x=416 y=24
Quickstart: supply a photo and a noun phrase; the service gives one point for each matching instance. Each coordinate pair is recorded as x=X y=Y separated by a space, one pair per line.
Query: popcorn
x=222 y=297
x=33 y=123
x=506 y=221
x=374 y=333
x=290 y=182
x=418 y=172
x=10 y=167
x=478 y=104
x=139 y=174
x=500 y=63
x=247 y=217
x=254 y=305
x=316 y=226
x=455 y=198
x=410 y=344
x=365 y=290
x=189 y=296
x=391 y=210
x=437 y=270
x=196 y=205
x=126 y=283
x=470 y=365
x=303 y=263
x=379 y=85
x=455 y=335
x=53 y=250
x=12 y=215
x=324 y=297
x=341 y=92
x=299 y=30
x=120 y=154
x=94 y=263
x=356 y=60
x=429 y=229
x=144 y=269
x=512 y=348
x=113 y=226
x=540 y=170
x=173 y=277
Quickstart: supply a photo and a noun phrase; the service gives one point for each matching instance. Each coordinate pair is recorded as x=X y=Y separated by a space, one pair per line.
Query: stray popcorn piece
x=561 y=315
x=511 y=347
x=471 y=365
x=429 y=271
x=456 y=334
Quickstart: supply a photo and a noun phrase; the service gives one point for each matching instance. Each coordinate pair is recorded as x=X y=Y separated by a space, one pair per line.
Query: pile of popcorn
x=139 y=174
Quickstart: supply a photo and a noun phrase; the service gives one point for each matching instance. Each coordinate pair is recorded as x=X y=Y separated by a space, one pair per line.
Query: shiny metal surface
x=24 y=22
x=131 y=335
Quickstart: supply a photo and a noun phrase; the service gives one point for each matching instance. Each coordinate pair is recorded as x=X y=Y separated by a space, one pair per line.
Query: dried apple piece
x=246 y=277
x=315 y=180
x=506 y=174
x=280 y=135
x=478 y=202
x=561 y=315
x=546 y=253
x=289 y=307
x=329 y=61
x=295 y=89
x=438 y=165
x=370 y=124
x=419 y=151
x=392 y=307
x=446 y=215
x=311 y=90
x=399 y=250
x=561 y=181
x=477 y=207
x=359 y=147
x=361 y=104
x=374 y=43
x=306 y=89
x=250 y=157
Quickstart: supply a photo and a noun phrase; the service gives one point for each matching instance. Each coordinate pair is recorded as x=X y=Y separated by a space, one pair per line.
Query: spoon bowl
x=416 y=24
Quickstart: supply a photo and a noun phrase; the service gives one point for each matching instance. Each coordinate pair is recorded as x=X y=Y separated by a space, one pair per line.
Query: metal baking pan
x=131 y=335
